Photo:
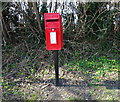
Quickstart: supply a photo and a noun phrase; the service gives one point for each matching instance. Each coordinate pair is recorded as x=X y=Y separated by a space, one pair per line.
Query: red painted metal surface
x=53 y=31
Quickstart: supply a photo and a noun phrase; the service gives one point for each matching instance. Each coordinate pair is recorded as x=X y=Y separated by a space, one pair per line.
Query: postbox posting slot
x=52 y=20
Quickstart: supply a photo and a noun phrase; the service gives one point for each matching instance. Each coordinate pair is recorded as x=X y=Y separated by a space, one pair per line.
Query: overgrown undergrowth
x=20 y=64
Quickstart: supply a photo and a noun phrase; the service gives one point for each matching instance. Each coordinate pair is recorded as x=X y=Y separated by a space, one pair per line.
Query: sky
x=62 y=0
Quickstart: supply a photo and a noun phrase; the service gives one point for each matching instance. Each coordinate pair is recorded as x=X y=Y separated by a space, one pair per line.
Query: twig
x=5 y=27
x=11 y=74
x=68 y=24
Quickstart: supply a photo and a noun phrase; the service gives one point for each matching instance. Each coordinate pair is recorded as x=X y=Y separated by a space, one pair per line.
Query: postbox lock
x=53 y=29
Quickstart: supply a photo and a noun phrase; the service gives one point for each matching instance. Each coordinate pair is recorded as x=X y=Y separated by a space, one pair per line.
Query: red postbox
x=53 y=31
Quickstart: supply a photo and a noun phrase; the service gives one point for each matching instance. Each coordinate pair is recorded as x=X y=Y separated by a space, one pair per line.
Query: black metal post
x=56 y=67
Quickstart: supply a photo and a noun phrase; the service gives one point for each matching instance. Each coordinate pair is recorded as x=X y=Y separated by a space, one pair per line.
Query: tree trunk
x=38 y=17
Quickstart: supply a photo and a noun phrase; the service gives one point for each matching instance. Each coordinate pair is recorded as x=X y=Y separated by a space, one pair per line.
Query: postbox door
x=53 y=39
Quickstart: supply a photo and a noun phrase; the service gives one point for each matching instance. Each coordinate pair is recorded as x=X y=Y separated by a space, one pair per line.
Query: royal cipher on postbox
x=53 y=31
